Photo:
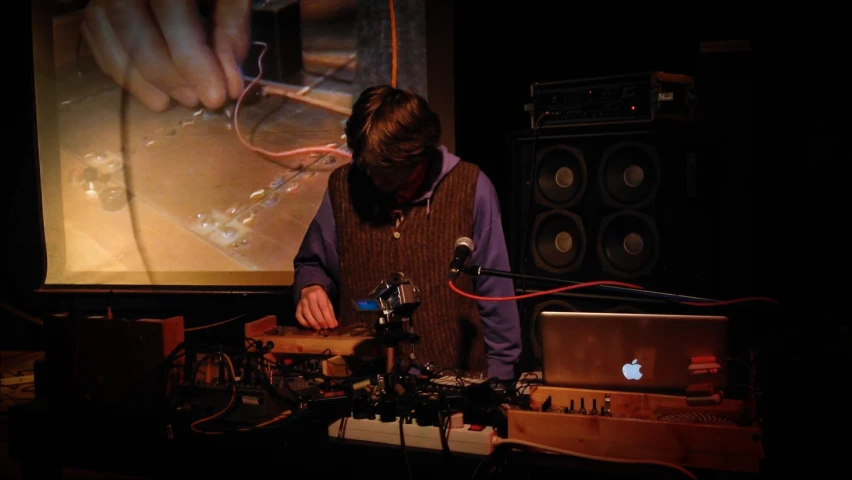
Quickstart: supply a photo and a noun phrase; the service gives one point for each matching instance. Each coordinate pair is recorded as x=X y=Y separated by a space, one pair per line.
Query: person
x=159 y=51
x=399 y=206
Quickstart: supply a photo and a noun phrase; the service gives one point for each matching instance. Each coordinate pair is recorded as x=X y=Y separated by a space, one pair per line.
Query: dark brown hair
x=390 y=127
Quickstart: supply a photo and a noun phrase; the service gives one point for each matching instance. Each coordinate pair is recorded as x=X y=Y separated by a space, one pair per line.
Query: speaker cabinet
x=610 y=204
x=623 y=203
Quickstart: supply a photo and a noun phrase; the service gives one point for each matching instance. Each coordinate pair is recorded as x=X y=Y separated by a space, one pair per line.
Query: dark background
x=780 y=219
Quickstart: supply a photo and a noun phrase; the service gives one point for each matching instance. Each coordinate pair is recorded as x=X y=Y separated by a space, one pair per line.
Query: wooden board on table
x=354 y=340
x=642 y=427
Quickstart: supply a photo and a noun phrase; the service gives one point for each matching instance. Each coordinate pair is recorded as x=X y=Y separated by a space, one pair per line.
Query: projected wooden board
x=199 y=200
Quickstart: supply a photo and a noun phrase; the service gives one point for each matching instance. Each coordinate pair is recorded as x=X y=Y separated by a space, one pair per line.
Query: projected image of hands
x=159 y=51
x=184 y=160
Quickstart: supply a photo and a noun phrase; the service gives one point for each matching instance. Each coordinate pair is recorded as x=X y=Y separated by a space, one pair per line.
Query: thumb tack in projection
x=114 y=199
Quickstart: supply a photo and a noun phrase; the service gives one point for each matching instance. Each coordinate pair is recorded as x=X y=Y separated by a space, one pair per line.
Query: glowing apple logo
x=631 y=370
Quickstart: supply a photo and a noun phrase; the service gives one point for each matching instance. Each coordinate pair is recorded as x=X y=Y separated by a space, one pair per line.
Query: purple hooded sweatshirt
x=316 y=263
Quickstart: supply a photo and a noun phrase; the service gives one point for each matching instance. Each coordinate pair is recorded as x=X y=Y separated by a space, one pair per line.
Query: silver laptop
x=630 y=351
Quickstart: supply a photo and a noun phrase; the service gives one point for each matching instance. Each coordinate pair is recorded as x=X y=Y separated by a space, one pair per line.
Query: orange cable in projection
x=316 y=149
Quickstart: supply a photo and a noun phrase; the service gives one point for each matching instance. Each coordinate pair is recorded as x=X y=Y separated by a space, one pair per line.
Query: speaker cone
x=628 y=244
x=629 y=174
x=558 y=241
x=535 y=332
x=561 y=176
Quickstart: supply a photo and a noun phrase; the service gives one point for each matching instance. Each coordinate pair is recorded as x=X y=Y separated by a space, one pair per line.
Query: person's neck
x=413 y=185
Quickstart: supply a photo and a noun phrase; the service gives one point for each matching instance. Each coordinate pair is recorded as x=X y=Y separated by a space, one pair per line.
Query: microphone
x=464 y=246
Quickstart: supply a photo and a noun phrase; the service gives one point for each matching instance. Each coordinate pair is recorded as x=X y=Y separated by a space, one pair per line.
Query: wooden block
x=111 y=362
x=336 y=367
x=354 y=340
x=643 y=426
x=278 y=24
x=66 y=39
x=689 y=445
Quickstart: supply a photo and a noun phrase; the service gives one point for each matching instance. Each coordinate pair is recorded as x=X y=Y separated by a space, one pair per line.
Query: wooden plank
x=642 y=426
x=285 y=92
x=635 y=405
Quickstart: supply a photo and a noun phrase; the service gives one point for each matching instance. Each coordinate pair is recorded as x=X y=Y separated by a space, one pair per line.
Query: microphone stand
x=476 y=270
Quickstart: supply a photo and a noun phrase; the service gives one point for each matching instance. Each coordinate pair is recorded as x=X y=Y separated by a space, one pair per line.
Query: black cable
x=241 y=359
x=443 y=425
x=526 y=217
x=78 y=53
x=402 y=446
x=127 y=177
x=481 y=464
x=530 y=189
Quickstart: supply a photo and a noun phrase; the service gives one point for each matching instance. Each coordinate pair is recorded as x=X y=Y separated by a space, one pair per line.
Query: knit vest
x=371 y=247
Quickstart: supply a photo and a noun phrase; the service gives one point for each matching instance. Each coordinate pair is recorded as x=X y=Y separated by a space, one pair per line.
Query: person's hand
x=315 y=310
x=157 y=49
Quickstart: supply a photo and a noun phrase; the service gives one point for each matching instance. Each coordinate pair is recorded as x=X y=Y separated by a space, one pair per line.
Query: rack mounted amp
x=632 y=98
